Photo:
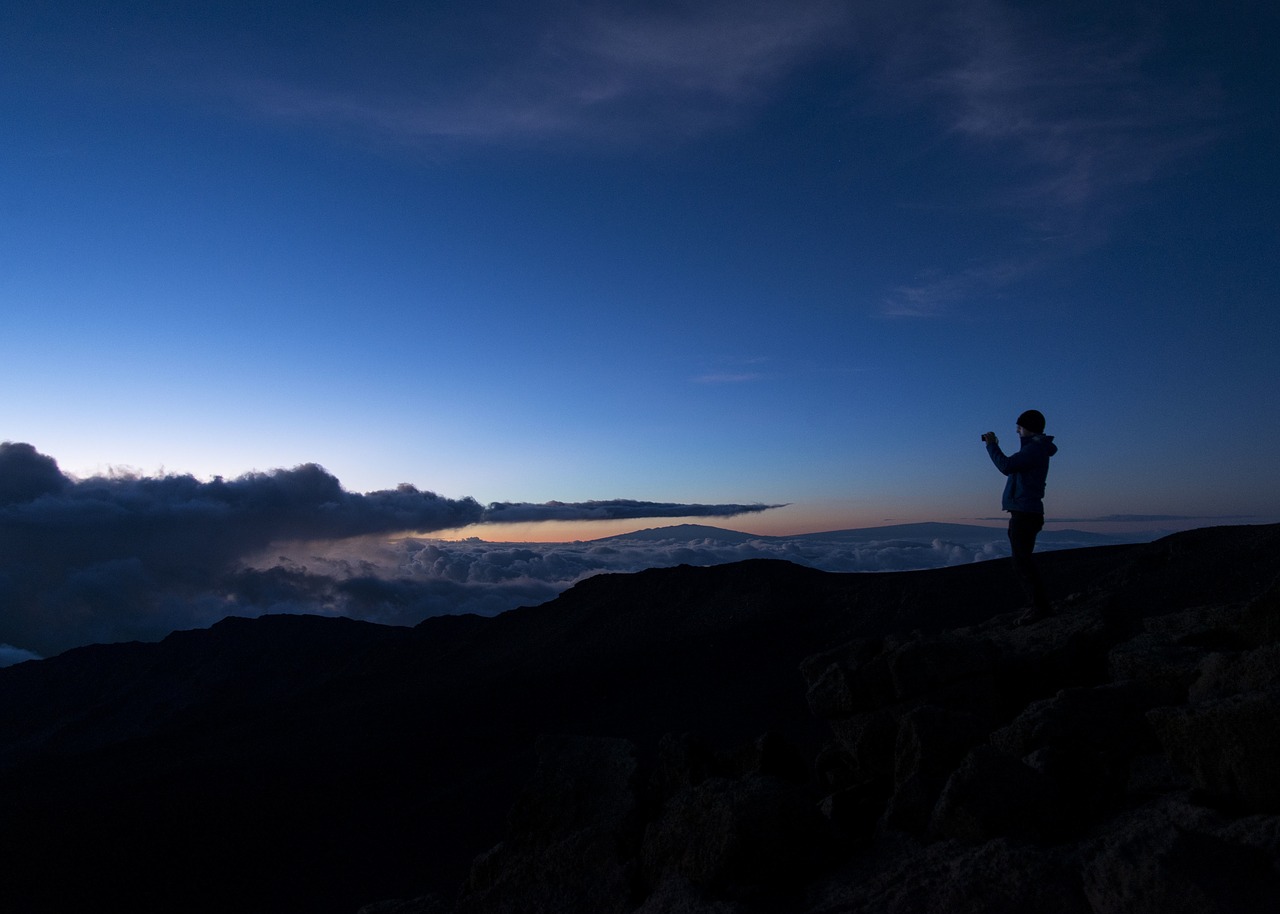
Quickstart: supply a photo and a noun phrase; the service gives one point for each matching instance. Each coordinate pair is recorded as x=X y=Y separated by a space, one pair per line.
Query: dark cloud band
x=619 y=509
x=133 y=557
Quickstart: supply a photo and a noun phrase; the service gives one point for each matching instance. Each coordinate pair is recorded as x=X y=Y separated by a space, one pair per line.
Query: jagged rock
x=1108 y=717
x=725 y=833
x=943 y=670
x=949 y=671
x=1157 y=660
x=1154 y=774
x=684 y=761
x=854 y=813
x=1230 y=746
x=1008 y=877
x=1066 y=649
x=1082 y=740
x=999 y=877
x=1260 y=832
x=834 y=768
x=1260 y=622
x=566 y=848
x=1167 y=859
x=1211 y=627
x=831 y=693
x=677 y=895
x=994 y=795
x=867 y=691
x=931 y=741
x=1224 y=674
x=771 y=755
x=869 y=741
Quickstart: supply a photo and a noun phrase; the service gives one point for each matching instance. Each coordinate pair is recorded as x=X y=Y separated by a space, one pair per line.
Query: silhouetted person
x=1023 y=499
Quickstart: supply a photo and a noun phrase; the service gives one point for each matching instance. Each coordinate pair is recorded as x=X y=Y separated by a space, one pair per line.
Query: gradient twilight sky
x=785 y=251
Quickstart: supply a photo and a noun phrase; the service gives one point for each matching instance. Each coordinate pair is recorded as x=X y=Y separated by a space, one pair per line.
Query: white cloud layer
x=405 y=581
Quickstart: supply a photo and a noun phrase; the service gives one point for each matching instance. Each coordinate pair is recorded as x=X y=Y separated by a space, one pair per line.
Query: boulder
x=994 y=795
x=1157 y=660
x=1222 y=674
x=854 y=813
x=831 y=674
x=869 y=741
x=569 y=836
x=948 y=670
x=677 y=895
x=931 y=742
x=1260 y=621
x=1066 y=649
x=1212 y=626
x=1162 y=859
x=999 y=877
x=869 y=675
x=728 y=834
x=1083 y=740
x=1229 y=746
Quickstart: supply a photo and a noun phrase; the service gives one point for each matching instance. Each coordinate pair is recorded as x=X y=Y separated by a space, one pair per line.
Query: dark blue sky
x=713 y=252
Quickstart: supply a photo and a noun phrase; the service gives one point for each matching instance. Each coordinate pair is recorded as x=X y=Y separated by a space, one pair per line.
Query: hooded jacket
x=1027 y=469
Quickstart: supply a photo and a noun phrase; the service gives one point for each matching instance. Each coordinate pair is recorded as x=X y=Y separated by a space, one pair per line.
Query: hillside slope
x=296 y=763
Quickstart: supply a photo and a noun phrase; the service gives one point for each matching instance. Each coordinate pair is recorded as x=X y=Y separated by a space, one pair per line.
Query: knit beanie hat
x=1032 y=420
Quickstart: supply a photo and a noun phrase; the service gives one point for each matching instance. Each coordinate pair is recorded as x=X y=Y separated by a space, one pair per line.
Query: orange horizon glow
x=783 y=526
x=786 y=521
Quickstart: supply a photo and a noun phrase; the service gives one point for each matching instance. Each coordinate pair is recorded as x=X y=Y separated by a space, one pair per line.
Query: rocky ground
x=1121 y=757
x=742 y=739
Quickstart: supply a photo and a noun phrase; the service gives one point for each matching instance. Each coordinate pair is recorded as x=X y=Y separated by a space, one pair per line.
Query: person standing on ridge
x=1023 y=499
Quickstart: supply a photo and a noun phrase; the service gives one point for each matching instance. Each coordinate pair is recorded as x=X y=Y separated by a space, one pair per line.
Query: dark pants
x=1023 y=528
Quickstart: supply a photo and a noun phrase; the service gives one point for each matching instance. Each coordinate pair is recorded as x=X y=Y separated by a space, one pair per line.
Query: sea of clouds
x=404 y=581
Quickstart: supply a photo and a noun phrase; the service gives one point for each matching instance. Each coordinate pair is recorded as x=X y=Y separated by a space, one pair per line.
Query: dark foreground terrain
x=756 y=737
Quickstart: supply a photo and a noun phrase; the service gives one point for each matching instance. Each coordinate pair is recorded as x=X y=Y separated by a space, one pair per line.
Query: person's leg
x=1023 y=529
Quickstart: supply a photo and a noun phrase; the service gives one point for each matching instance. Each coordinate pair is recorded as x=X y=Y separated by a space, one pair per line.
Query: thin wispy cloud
x=1079 y=106
x=718 y=49
x=1082 y=111
x=616 y=509
x=934 y=293
x=741 y=370
x=724 y=377
x=613 y=74
x=1069 y=120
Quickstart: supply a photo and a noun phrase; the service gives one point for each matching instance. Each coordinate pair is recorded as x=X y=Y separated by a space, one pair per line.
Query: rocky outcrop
x=1133 y=764
x=1111 y=758
x=571 y=841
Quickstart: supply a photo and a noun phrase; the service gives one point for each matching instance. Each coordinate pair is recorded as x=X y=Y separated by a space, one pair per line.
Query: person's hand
x=990 y=438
